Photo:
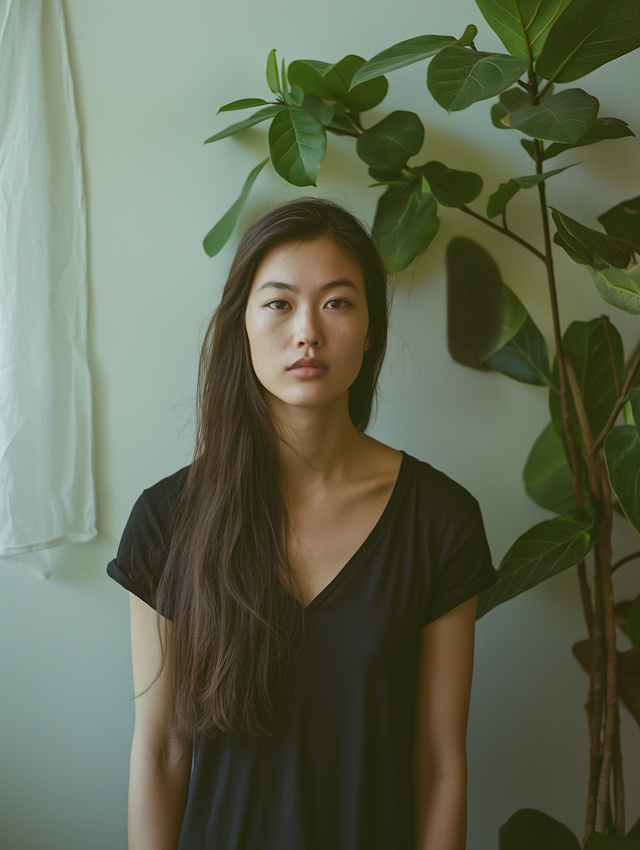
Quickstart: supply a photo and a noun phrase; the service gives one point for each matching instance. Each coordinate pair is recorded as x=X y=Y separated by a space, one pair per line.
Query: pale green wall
x=150 y=75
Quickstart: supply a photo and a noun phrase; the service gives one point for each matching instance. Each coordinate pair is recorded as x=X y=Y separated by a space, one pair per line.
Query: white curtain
x=46 y=475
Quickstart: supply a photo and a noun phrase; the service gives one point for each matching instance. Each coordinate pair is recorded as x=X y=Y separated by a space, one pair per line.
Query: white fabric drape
x=46 y=476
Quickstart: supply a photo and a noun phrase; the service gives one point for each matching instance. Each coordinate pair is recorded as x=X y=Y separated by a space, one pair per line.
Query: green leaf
x=402 y=54
x=598 y=841
x=390 y=142
x=296 y=96
x=242 y=104
x=273 y=79
x=405 y=224
x=525 y=357
x=497 y=202
x=332 y=82
x=285 y=85
x=219 y=234
x=622 y=457
x=623 y=220
x=514 y=316
x=521 y=25
x=596 y=249
x=256 y=118
x=322 y=111
x=459 y=76
x=530 y=146
x=564 y=117
x=390 y=176
x=449 y=187
x=585 y=344
x=588 y=34
x=619 y=288
x=633 y=624
x=531 y=180
x=529 y=829
x=547 y=476
x=297 y=145
x=541 y=552
x=577 y=258
x=601 y=129
x=475 y=303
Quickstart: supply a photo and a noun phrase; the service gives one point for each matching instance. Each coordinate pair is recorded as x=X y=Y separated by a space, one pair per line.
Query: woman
x=316 y=589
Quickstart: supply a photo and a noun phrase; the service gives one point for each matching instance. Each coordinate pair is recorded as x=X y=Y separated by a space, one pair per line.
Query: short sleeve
x=465 y=567
x=146 y=540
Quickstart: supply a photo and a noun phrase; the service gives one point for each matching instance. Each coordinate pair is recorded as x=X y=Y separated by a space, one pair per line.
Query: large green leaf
x=459 y=76
x=256 y=118
x=623 y=220
x=475 y=303
x=541 y=552
x=332 y=82
x=619 y=288
x=563 y=117
x=297 y=145
x=497 y=203
x=390 y=142
x=521 y=25
x=529 y=829
x=622 y=456
x=547 y=476
x=601 y=129
x=402 y=54
x=596 y=249
x=219 y=234
x=598 y=841
x=586 y=346
x=588 y=34
x=405 y=224
x=449 y=187
x=525 y=357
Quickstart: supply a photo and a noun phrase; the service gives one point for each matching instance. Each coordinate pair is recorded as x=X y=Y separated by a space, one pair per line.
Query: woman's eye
x=340 y=300
x=278 y=301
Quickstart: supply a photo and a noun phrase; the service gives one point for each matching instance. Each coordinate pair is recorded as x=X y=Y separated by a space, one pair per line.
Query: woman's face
x=307 y=300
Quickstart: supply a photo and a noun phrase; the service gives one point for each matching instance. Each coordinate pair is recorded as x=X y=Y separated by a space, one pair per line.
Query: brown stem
x=607 y=330
x=595 y=703
x=625 y=560
x=618 y=406
x=603 y=554
x=504 y=230
x=585 y=596
x=618 y=779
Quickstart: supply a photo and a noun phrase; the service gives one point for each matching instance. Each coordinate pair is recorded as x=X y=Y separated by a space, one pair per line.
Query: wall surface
x=150 y=76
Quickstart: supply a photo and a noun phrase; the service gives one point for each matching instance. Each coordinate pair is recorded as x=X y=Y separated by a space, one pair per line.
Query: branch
x=607 y=330
x=618 y=406
x=625 y=560
x=505 y=231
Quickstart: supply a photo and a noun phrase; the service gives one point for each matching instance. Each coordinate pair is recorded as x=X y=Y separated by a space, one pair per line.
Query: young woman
x=302 y=596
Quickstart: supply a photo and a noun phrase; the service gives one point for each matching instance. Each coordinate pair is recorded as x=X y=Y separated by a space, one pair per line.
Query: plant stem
x=625 y=560
x=595 y=703
x=618 y=778
x=504 y=230
x=603 y=554
x=607 y=330
x=619 y=404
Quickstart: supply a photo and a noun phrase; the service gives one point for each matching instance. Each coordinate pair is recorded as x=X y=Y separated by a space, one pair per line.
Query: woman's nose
x=308 y=328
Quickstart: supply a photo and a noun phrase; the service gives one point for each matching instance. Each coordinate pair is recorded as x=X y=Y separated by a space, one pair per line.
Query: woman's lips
x=308 y=371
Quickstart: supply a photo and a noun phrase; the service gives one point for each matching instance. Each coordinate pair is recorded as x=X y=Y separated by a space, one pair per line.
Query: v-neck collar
x=371 y=538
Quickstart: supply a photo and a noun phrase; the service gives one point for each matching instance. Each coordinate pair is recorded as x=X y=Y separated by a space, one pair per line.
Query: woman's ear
x=367 y=343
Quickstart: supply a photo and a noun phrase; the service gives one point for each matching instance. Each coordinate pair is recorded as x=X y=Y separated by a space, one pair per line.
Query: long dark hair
x=234 y=628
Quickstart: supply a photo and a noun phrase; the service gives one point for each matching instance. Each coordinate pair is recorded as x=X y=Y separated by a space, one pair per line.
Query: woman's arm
x=160 y=764
x=440 y=757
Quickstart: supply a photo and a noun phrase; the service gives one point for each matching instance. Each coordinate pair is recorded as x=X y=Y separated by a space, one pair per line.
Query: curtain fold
x=46 y=468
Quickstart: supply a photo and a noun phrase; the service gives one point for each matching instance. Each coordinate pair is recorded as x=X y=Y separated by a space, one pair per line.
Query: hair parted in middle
x=234 y=628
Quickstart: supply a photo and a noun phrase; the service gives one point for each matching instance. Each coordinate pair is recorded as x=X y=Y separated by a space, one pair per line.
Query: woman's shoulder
x=160 y=499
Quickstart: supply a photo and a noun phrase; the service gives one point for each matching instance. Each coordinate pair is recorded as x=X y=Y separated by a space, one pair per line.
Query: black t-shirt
x=339 y=775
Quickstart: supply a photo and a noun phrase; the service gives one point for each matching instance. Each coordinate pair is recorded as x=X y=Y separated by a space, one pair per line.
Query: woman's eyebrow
x=332 y=284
